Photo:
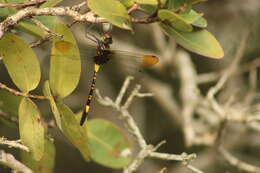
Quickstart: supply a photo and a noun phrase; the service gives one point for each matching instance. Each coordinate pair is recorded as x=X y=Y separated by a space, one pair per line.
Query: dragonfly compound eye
x=107 y=38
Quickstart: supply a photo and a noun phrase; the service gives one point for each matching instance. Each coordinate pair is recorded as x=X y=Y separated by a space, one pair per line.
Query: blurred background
x=164 y=116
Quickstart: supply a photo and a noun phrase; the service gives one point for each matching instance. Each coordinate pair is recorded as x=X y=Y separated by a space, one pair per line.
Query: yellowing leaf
x=20 y=61
x=54 y=109
x=65 y=66
x=46 y=164
x=31 y=129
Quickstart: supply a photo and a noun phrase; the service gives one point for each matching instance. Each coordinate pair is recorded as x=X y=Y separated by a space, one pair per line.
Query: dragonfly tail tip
x=83 y=118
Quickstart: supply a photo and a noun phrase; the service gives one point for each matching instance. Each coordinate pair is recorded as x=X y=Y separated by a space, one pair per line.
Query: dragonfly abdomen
x=90 y=95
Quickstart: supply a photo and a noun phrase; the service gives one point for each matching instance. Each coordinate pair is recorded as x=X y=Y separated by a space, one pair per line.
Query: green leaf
x=50 y=3
x=197 y=1
x=176 y=4
x=175 y=20
x=31 y=28
x=108 y=145
x=31 y=129
x=65 y=63
x=49 y=21
x=20 y=61
x=4 y=12
x=199 y=41
x=46 y=164
x=201 y=23
x=54 y=109
x=150 y=2
x=194 y=18
x=112 y=10
x=73 y=131
x=127 y=3
x=9 y=103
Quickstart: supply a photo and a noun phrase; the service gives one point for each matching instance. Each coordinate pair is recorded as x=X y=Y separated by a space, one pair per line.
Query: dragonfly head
x=107 y=39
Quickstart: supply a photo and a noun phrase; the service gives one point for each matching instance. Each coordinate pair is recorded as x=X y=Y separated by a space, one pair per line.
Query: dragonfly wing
x=139 y=59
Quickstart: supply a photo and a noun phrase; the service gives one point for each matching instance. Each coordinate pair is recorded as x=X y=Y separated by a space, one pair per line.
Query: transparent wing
x=130 y=61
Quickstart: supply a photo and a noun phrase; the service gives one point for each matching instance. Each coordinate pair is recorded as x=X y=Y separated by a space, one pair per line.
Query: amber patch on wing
x=150 y=60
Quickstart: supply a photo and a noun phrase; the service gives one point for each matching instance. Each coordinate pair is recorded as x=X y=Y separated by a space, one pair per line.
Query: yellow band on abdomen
x=87 y=108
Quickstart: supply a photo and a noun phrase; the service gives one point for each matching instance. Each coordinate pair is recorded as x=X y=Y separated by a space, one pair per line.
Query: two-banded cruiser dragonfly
x=103 y=55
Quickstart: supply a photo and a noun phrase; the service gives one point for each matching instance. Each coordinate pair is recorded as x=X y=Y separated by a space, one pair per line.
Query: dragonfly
x=103 y=54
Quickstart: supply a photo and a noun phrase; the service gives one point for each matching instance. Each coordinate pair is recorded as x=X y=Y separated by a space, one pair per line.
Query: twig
x=163 y=94
x=43 y=27
x=40 y=41
x=225 y=76
x=189 y=93
x=79 y=6
x=163 y=170
x=17 y=93
x=213 y=76
x=13 y=144
x=123 y=90
x=166 y=156
x=9 y=161
x=8 y=117
x=138 y=159
x=238 y=163
x=134 y=7
x=23 y=4
x=50 y=33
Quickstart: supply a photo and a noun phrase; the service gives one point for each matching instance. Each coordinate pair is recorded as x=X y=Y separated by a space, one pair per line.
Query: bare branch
x=123 y=90
x=17 y=93
x=238 y=163
x=51 y=11
x=9 y=161
x=189 y=93
x=23 y=4
x=13 y=144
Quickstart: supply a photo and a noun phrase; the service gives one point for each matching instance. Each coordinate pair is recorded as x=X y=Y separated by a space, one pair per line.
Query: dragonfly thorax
x=103 y=56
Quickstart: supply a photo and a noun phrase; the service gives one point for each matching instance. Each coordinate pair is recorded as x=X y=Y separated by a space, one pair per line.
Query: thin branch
x=23 y=4
x=9 y=161
x=43 y=27
x=163 y=94
x=8 y=117
x=213 y=91
x=189 y=93
x=163 y=170
x=175 y=157
x=134 y=7
x=13 y=144
x=238 y=163
x=79 y=6
x=40 y=41
x=50 y=33
x=138 y=159
x=123 y=90
x=17 y=93
x=213 y=76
